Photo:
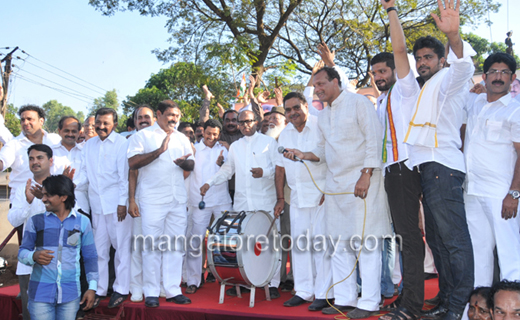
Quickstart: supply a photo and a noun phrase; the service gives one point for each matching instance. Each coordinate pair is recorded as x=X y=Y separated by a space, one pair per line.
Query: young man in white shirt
x=399 y=90
x=14 y=154
x=434 y=136
x=253 y=159
x=162 y=154
x=492 y=187
x=311 y=270
x=210 y=156
x=26 y=204
x=104 y=170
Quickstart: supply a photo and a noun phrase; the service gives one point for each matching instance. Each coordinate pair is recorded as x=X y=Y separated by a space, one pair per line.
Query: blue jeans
x=447 y=233
x=53 y=311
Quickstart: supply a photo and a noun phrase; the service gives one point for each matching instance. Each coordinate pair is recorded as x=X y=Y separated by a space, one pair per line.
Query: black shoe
x=273 y=292
x=318 y=304
x=151 y=302
x=179 y=299
x=232 y=292
x=428 y=276
x=210 y=278
x=437 y=312
x=294 y=302
x=433 y=301
x=450 y=315
x=287 y=286
x=116 y=299
x=331 y=310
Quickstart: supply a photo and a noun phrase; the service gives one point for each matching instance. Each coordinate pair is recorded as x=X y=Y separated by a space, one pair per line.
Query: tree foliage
x=54 y=111
x=109 y=100
x=183 y=82
x=12 y=122
x=484 y=48
x=266 y=34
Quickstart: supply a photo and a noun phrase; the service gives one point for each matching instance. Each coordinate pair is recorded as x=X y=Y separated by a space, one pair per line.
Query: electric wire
x=77 y=92
x=360 y=248
x=71 y=94
x=54 y=73
x=29 y=55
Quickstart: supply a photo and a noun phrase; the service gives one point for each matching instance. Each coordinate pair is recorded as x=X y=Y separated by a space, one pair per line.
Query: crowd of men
x=428 y=140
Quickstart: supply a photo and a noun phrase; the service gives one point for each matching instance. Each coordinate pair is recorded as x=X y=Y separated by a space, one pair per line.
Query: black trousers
x=403 y=188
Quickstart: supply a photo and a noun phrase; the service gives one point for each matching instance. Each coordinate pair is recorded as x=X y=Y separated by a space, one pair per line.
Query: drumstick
x=272 y=223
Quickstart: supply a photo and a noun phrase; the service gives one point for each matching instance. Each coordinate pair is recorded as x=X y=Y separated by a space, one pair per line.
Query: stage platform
x=204 y=306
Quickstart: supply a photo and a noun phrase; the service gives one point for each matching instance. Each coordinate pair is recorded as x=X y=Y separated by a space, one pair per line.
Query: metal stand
x=223 y=285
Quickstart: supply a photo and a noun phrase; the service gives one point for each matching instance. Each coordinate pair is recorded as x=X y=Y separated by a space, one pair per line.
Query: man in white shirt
x=311 y=271
x=67 y=154
x=25 y=204
x=210 y=156
x=253 y=159
x=434 y=136
x=491 y=148
x=399 y=90
x=350 y=144
x=161 y=153
x=14 y=154
x=104 y=170
x=144 y=117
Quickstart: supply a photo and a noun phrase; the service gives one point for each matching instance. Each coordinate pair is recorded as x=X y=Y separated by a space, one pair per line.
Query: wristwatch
x=515 y=194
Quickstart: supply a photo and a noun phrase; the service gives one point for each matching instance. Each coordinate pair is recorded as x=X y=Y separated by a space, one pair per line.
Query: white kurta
x=350 y=140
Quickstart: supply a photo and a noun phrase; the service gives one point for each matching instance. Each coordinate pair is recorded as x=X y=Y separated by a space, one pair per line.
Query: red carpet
x=204 y=306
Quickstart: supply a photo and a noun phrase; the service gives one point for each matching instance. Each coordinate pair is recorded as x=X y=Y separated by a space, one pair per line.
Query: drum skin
x=244 y=254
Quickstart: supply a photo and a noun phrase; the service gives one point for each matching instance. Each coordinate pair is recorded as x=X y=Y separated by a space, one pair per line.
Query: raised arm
x=402 y=66
x=204 y=110
x=449 y=24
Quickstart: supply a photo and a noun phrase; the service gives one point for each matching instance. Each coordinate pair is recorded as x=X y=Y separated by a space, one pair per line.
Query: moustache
x=102 y=130
x=172 y=122
x=144 y=122
x=70 y=137
x=500 y=82
x=423 y=68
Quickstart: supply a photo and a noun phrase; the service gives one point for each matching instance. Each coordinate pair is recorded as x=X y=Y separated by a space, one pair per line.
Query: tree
x=484 y=48
x=109 y=100
x=12 y=122
x=54 y=111
x=269 y=33
x=182 y=82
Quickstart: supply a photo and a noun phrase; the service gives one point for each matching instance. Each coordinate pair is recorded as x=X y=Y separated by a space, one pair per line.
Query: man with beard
x=492 y=191
x=312 y=275
x=67 y=154
x=144 y=117
x=277 y=122
x=210 y=156
x=25 y=204
x=399 y=89
x=104 y=169
x=435 y=147
x=161 y=154
x=350 y=144
x=14 y=154
x=252 y=159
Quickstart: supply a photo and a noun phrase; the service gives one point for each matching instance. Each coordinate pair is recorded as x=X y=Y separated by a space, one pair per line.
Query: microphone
x=283 y=150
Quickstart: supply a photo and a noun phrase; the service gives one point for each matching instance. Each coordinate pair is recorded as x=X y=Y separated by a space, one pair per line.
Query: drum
x=240 y=251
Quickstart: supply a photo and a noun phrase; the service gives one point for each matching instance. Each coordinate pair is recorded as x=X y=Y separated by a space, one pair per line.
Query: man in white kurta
x=104 y=170
x=253 y=159
x=210 y=156
x=312 y=268
x=350 y=144
x=491 y=148
x=14 y=154
x=161 y=153
x=67 y=154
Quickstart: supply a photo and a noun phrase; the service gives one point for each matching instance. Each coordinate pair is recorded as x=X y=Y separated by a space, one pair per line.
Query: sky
x=102 y=53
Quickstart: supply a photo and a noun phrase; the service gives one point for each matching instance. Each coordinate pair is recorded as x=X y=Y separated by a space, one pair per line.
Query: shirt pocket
x=71 y=237
x=259 y=160
x=492 y=130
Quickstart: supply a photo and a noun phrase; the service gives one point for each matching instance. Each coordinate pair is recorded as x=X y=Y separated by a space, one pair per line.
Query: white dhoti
x=136 y=267
x=195 y=237
x=110 y=232
x=312 y=264
x=488 y=229
x=165 y=224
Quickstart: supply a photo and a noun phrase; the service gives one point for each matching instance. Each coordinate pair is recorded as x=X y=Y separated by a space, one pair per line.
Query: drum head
x=259 y=256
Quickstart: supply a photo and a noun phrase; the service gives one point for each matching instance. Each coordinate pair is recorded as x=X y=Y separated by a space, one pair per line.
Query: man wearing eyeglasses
x=253 y=159
x=492 y=190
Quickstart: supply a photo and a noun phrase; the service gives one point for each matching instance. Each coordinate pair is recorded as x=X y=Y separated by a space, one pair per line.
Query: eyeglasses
x=241 y=123
x=499 y=72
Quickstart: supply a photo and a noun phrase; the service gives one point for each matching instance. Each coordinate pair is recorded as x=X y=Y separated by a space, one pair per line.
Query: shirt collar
x=505 y=100
x=72 y=213
x=45 y=134
x=308 y=123
x=339 y=99
x=112 y=136
x=249 y=138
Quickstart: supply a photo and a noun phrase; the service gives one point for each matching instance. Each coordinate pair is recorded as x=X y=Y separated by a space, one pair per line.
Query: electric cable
x=77 y=92
x=71 y=94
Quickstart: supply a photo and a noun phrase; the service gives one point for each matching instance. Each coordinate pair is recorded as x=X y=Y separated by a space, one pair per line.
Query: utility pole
x=5 y=80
